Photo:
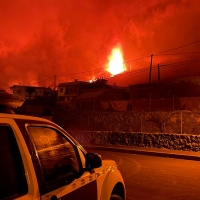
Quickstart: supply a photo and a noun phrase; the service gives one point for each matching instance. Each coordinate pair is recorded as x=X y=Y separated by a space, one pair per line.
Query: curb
x=178 y=154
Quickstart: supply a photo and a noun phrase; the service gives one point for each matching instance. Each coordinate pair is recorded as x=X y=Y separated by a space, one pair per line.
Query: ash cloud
x=40 y=39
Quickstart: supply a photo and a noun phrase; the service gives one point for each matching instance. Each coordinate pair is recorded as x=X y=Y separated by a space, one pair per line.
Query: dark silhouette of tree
x=100 y=83
x=30 y=90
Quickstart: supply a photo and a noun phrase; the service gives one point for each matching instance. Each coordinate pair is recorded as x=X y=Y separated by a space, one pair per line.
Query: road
x=157 y=178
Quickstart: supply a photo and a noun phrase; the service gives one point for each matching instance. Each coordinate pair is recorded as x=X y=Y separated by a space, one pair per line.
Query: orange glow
x=116 y=63
x=93 y=79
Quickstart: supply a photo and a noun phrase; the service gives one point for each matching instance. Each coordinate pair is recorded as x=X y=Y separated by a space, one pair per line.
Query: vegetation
x=100 y=83
x=30 y=90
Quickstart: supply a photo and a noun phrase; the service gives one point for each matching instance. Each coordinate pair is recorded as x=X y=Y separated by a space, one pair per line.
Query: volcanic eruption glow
x=116 y=63
x=86 y=40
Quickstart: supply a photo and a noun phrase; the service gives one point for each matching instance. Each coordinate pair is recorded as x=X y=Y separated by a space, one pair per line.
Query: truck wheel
x=115 y=197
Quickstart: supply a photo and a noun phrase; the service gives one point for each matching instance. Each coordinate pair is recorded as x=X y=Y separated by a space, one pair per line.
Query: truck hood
x=108 y=163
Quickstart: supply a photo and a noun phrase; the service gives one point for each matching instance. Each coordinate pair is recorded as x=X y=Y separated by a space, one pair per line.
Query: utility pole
x=54 y=88
x=158 y=73
x=151 y=60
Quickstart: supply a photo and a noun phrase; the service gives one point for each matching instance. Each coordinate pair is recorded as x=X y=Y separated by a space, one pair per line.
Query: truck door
x=13 y=183
x=61 y=165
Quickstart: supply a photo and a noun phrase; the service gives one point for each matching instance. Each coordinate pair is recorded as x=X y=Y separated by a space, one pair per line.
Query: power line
x=155 y=67
x=184 y=53
x=157 y=54
x=103 y=68
x=141 y=70
x=45 y=79
x=81 y=72
x=178 y=47
x=136 y=59
x=182 y=63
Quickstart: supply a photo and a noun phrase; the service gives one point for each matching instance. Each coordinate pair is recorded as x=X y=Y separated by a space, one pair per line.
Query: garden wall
x=160 y=140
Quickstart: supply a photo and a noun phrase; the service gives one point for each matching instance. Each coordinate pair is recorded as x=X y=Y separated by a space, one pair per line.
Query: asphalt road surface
x=157 y=178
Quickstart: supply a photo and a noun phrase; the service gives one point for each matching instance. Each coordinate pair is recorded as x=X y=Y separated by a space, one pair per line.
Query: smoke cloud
x=73 y=39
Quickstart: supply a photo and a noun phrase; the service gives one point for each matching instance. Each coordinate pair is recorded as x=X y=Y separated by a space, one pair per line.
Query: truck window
x=13 y=181
x=56 y=154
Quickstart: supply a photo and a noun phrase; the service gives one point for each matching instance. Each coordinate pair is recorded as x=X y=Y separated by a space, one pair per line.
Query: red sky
x=73 y=39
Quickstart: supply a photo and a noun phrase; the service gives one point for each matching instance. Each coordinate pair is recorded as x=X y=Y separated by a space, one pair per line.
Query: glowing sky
x=73 y=39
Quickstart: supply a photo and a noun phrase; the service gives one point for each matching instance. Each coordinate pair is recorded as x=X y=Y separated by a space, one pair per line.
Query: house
x=39 y=101
x=153 y=90
x=30 y=92
x=80 y=95
x=40 y=106
x=192 y=79
x=68 y=91
x=100 y=99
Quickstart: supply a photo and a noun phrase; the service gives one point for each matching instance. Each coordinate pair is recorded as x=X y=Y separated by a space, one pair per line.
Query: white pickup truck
x=41 y=161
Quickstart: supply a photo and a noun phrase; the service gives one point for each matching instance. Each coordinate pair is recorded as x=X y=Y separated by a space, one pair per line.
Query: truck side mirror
x=93 y=160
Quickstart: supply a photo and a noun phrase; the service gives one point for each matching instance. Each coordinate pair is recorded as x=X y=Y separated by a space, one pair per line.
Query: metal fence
x=180 y=122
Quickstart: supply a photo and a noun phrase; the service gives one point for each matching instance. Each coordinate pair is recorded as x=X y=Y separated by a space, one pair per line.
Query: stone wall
x=169 y=141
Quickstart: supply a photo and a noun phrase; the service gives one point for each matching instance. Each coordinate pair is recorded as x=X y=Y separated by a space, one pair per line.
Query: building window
x=61 y=90
x=18 y=91
x=67 y=91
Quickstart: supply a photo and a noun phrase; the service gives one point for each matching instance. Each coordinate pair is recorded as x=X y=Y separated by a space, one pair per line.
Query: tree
x=100 y=83
x=30 y=90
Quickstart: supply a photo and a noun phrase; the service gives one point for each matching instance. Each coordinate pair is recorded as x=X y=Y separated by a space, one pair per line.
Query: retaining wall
x=169 y=141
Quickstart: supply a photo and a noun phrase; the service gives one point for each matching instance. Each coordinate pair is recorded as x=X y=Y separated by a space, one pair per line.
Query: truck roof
x=17 y=116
